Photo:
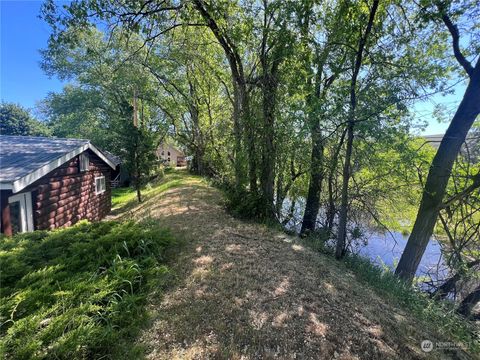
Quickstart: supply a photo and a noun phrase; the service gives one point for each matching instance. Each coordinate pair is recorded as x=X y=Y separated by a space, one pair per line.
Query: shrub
x=80 y=292
x=244 y=204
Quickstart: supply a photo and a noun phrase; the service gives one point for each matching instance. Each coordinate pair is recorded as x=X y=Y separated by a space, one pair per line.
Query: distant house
x=46 y=183
x=471 y=143
x=434 y=140
x=171 y=155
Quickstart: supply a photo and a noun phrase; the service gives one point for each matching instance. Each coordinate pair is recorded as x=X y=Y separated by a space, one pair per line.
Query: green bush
x=244 y=204
x=78 y=293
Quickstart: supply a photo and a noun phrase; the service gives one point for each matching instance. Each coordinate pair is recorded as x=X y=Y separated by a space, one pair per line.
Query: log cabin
x=46 y=183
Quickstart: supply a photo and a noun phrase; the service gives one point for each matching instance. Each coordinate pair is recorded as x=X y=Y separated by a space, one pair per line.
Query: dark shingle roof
x=20 y=155
x=113 y=158
x=25 y=159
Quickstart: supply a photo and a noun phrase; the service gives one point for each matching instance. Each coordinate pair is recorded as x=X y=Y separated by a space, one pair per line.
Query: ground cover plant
x=80 y=292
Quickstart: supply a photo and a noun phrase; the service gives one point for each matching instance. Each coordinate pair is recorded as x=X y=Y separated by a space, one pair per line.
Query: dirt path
x=248 y=292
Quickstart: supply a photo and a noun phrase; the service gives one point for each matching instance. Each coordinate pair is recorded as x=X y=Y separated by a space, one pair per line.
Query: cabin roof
x=25 y=159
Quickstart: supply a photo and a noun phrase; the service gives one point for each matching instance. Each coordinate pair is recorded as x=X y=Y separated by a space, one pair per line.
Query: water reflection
x=382 y=249
x=386 y=249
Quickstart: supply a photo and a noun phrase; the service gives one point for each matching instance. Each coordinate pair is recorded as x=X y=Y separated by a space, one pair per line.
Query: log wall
x=5 y=225
x=66 y=195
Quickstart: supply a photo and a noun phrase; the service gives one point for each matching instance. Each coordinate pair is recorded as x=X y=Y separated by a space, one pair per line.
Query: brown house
x=47 y=183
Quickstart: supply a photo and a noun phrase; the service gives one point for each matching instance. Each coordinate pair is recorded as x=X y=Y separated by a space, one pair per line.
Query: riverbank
x=244 y=290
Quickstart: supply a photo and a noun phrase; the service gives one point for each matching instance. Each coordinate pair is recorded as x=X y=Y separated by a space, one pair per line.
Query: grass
x=439 y=314
x=125 y=198
x=79 y=293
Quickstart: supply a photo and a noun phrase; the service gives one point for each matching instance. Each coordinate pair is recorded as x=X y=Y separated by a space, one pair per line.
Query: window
x=21 y=215
x=168 y=159
x=84 y=162
x=168 y=153
x=100 y=185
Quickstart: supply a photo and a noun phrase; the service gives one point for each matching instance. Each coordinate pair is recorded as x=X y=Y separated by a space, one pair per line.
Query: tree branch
x=453 y=29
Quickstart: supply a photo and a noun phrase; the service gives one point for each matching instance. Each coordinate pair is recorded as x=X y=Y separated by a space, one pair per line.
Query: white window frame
x=84 y=162
x=97 y=192
x=26 y=213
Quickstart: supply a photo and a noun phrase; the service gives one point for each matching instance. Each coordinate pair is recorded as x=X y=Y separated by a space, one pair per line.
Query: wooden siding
x=66 y=195
x=6 y=226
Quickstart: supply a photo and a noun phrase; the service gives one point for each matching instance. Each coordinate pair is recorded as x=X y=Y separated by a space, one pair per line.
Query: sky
x=22 y=35
x=22 y=80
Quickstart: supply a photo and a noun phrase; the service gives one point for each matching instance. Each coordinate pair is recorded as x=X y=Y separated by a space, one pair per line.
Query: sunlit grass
x=126 y=197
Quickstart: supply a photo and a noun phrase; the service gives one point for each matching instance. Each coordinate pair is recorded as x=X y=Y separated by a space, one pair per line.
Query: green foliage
x=16 y=120
x=244 y=204
x=110 y=78
x=80 y=292
x=248 y=91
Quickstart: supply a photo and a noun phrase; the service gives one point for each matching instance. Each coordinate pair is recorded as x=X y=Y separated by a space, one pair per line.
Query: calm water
x=385 y=249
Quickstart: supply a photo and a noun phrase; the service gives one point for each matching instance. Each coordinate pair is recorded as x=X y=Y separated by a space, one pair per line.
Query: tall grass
x=79 y=293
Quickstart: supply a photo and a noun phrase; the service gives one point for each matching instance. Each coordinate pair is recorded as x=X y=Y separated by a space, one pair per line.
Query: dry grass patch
x=245 y=291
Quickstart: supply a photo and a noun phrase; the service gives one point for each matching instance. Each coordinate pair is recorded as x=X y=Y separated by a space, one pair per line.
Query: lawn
x=80 y=292
x=125 y=198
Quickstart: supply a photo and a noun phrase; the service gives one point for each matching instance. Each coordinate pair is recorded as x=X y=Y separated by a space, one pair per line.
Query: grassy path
x=245 y=291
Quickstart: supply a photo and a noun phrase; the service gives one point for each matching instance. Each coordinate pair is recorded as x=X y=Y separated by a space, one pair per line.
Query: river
x=385 y=249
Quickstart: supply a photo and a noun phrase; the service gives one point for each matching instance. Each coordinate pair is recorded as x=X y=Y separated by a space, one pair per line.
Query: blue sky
x=22 y=35
x=22 y=81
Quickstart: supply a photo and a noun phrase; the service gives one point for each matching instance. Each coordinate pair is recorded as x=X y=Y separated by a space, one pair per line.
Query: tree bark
x=342 y=224
x=449 y=285
x=331 y=177
x=467 y=305
x=312 y=204
x=267 y=178
x=438 y=176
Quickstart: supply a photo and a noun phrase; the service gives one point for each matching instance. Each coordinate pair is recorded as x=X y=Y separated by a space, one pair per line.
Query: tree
x=111 y=79
x=16 y=120
x=342 y=226
x=321 y=73
x=441 y=166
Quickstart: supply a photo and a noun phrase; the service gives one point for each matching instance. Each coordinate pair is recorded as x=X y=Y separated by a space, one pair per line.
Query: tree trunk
x=249 y=133
x=237 y=132
x=240 y=98
x=449 y=285
x=267 y=179
x=438 y=176
x=331 y=177
x=312 y=204
x=467 y=305
x=139 y=194
x=342 y=225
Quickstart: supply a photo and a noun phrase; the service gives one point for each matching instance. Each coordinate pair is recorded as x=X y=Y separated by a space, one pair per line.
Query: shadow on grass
x=246 y=291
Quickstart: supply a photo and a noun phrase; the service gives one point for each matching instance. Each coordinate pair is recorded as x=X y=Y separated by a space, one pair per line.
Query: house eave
x=6 y=186
x=21 y=183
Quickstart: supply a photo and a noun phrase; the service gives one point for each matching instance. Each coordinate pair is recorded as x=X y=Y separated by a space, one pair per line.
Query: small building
x=46 y=183
x=171 y=155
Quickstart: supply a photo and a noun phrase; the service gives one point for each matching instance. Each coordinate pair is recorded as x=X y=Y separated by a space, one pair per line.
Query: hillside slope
x=245 y=291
